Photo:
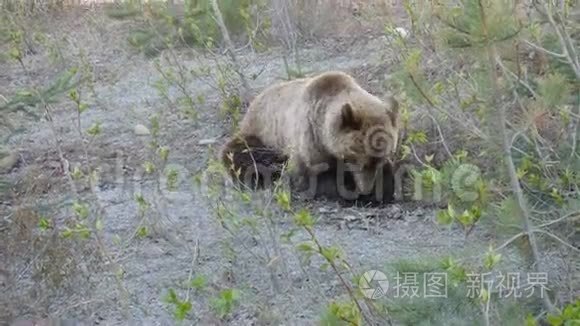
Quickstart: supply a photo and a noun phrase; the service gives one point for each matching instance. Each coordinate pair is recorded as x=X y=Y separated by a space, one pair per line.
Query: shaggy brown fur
x=254 y=164
x=260 y=167
x=315 y=121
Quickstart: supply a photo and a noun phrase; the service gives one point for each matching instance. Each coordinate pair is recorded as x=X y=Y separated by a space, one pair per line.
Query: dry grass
x=52 y=266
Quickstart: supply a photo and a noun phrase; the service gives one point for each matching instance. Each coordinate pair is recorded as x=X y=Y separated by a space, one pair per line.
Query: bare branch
x=245 y=91
x=555 y=237
x=572 y=216
x=539 y=48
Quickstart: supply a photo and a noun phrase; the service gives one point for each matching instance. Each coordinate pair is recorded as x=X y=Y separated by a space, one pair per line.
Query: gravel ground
x=187 y=240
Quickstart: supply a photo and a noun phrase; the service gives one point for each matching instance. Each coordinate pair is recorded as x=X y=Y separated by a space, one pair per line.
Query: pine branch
x=506 y=144
x=565 y=41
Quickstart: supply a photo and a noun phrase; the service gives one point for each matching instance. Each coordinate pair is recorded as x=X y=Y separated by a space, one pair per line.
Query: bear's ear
x=393 y=110
x=348 y=119
x=328 y=84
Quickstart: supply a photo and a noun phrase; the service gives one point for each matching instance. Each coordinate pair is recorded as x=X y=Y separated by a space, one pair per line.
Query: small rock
x=411 y=218
x=8 y=161
x=326 y=210
x=141 y=130
x=208 y=141
x=350 y=218
x=402 y=32
x=394 y=212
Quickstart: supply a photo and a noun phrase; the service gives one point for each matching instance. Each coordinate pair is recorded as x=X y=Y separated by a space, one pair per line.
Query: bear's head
x=366 y=138
x=359 y=128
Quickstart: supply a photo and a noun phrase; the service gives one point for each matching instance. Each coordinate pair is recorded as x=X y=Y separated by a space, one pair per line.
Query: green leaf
x=74 y=95
x=438 y=88
x=456 y=272
x=304 y=219
x=245 y=197
x=466 y=218
x=95 y=129
x=15 y=54
x=164 y=153
x=44 y=224
x=155 y=125
x=342 y=313
x=81 y=210
x=141 y=202
x=142 y=232
x=451 y=211
x=330 y=253
x=444 y=218
x=84 y=233
x=484 y=295
x=417 y=137
x=283 y=199
x=558 y=198
x=120 y=273
x=555 y=320
x=99 y=225
x=413 y=61
x=225 y=302
x=199 y=282
x=476 y=212
x=77 y=173
x=172 y=177
x=149 y=167
x=82 y=107
x=405 y=151
x=171 y=296
x=491 y=259
x=305 y=247
x=66 y=233
x=531 y=321
x=287 y=236
x=570 y=315
x=182 y=309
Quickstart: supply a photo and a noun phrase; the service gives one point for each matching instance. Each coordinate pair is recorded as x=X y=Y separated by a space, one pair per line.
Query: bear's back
x=277 y=114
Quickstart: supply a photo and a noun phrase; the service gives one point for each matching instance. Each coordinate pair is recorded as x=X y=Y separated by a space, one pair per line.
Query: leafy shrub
x=122 y=10
x=193 y=24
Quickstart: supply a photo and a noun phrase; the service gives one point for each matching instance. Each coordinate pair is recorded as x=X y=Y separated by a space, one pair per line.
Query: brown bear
x=314 y=123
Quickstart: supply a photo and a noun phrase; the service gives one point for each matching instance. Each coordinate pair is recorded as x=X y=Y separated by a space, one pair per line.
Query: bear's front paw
x=299 y=181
